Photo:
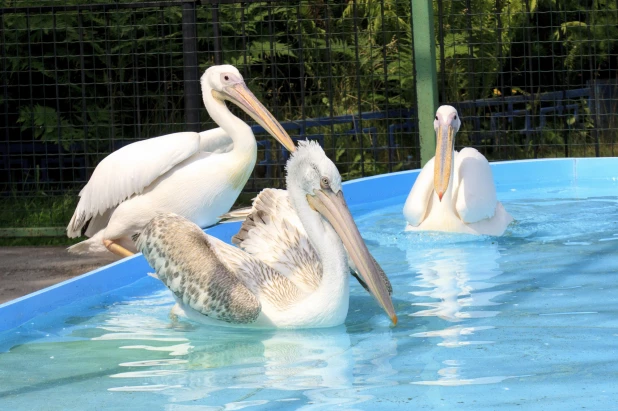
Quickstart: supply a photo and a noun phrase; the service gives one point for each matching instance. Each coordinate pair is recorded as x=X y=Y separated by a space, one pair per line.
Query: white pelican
x=455 y=191
x=291 y=270
x=195 y=175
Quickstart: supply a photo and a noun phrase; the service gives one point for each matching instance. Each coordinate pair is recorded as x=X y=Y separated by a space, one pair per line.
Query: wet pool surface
x=527 y=320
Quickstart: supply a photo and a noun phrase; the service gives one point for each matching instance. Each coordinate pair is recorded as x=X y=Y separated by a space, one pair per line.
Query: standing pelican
x=455 y=191
x=291 y=270
x=195 y=175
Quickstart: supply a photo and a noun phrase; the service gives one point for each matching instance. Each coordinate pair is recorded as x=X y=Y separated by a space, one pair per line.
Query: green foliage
x=288 y=47
x=345 y=57
x=48 y=126
x=493 y=37
x=508 y=47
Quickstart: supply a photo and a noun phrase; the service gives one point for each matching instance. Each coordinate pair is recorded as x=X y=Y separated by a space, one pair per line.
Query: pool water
x=527 y=320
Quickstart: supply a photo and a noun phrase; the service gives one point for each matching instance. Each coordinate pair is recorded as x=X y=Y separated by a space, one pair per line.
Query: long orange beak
x=334 y=208
x=240 y=95
x=444 y=159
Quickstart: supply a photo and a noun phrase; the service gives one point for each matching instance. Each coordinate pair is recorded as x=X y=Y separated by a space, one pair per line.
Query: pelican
x=195 y=175
x=455 y=191
x=291 y=270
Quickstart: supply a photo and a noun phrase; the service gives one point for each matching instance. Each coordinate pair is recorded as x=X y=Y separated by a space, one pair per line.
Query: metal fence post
x=192 y=92
x=216 y=31
x=426 y=75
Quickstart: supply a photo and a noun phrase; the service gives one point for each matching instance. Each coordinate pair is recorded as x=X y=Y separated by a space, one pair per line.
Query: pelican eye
x=436 y=117
x=324 y=182
x=226 y=78
x=455 y=118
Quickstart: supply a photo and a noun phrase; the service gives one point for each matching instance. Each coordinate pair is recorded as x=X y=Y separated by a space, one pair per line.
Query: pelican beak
x=444 y=159
x=334 y=208
x=240 y=95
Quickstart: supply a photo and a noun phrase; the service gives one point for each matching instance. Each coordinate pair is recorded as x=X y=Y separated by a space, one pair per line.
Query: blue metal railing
x=303 y=126
x=511 y=114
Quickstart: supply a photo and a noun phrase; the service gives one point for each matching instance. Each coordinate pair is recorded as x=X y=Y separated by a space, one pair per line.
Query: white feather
x=473 y=207
x=216 y=141
x=277 y=237
x=417 y=203
x=290 y=259
x=129 y=171
x=195 y=175
x=476 y=193
x=469 y=205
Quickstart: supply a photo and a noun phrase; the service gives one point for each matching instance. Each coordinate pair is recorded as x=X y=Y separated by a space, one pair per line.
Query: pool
x=527 y=320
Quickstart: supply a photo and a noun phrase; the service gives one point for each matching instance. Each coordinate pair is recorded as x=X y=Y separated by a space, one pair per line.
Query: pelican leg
x=174 y=313
x=117 y=249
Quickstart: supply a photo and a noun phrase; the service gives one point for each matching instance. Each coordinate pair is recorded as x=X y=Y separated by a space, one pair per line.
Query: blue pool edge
x=357 y=192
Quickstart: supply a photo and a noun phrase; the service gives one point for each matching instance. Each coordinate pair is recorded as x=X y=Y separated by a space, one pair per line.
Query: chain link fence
x=530 y=79
x=80 y=81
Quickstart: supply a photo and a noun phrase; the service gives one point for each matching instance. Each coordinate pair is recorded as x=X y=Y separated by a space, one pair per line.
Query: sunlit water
x=528 y=320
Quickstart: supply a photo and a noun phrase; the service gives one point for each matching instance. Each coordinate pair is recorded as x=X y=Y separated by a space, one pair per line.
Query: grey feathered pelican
x=291 y=269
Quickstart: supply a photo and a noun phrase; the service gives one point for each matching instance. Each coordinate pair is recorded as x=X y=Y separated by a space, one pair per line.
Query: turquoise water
x=528 y=320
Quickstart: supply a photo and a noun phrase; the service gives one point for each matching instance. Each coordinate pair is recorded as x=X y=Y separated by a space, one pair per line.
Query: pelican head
x=226 y=83
x=446 y=124
x=313 y=176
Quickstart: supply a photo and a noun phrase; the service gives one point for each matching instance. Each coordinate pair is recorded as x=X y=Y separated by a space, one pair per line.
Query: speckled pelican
x=291 y=270
x=196 y=175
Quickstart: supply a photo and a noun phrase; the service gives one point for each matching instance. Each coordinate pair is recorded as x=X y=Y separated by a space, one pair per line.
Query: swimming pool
x=527 y=320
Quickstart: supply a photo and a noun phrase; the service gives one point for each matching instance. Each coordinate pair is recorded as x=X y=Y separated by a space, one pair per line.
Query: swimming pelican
x=455 y=191
x=291 y=270
x=195 y=175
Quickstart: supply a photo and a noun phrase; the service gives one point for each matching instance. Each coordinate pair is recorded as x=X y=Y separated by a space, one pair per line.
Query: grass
x=38 y=241
x=48 y=211
x=36 y=210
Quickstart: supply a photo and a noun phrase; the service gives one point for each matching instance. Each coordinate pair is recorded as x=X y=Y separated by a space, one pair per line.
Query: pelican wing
x=277 y=202
x=274 y=234
x=240 y=214
x=215 y=141
x=474 y=186
x=417 y=203
x=128 y=171
x=210 y=276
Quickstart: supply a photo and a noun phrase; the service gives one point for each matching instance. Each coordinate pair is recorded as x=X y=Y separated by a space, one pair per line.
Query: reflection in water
x=457 y=278
x=450 y=376
x=451 y=336
x=188 y=362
